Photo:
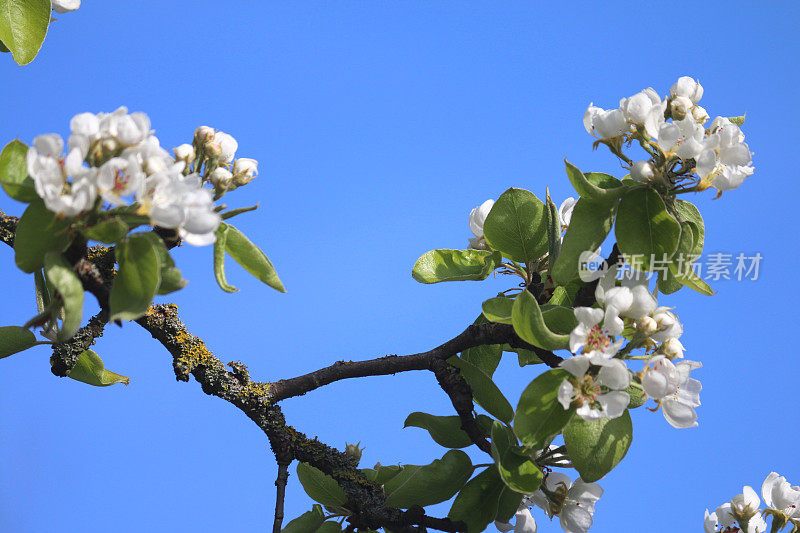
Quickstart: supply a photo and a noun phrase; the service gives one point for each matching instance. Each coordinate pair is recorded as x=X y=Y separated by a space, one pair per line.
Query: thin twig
x=280 y=483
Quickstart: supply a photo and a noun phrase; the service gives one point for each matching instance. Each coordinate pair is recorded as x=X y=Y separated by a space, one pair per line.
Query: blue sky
x=377 y=127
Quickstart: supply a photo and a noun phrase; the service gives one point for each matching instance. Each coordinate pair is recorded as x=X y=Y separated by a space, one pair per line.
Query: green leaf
x=3 y=48
x=38 y=232
x=171 y=278
x=530 y=325
x=319 y=486
x=219 y=259
x=553 y=231
x=739 y=121
x=446 y=430
x=477 y=503
x=251 y=258
x=70 y=290
x=527 y=357
x=381 y=474
x=455 y=265
x=498 y=309
x=329 y=527
x=308 y=521
x=637 y=394
x=667 y=284
x=687 y=212
x=680 y=269
x=560 y=297
x=485 y=357
x=507 y=505
x=429 y=484
x=90 y=369
x=484 y=390
x=644 y=228
x=14 y=172
x=590 y=225
x=233 y=212
x=595 y=186
x=517 y=226
x=109 y=231
x=42 y=294
x=517 y=471
x=559 y=319
x=14 y=339
x=138 y=278
x=539 y=416
x=596 y=447
x=23 y=26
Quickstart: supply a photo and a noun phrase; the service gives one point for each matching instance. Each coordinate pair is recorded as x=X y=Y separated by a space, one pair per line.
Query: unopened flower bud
x=700 y=114
x=213 y=150
x=642 y=171
x=672 y=348
x=647 y=325
x=221 y=179
x=228 y=145
x=63 y=6
x=184 y=152
x=244 y=170
x=353 y=450
x=203 y=134
x=680 y=106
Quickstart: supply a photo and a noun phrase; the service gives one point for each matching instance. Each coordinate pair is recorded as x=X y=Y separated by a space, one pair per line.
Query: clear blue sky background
x=378 y=126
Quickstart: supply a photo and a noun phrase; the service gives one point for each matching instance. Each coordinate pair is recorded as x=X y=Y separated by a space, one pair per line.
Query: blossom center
x=596 y=339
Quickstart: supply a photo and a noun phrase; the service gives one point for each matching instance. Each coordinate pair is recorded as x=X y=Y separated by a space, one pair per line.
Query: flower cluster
x=114 y=160
x=672 y=131
x=601 y=379
x=572 y=503
x=782 y=504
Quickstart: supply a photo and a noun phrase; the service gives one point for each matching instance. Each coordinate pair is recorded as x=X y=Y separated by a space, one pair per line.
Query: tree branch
x=280 y=483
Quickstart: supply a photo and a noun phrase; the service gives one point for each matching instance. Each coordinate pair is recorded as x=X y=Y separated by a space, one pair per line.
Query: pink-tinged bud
x=221 y=179
x=647 y=326
x=354 y=450
x=213 y=150
x=244 y=171
x=203 y=134
x=184 y=152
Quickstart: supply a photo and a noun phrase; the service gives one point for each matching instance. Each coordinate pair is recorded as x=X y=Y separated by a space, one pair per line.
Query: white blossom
x=565 y=212
x=244 y=170
x=523 y=521
x=638 y=107
x=63 y=6
x=642 y=171
x=601 y=396
x=669 y=327
x=781 y=496
x=678 y=394
x=604 y=124
x=477 y=217
x=228 y=146
x=573 y=503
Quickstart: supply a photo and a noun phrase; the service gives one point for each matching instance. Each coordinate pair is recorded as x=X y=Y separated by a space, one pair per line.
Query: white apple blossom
x=221 y=178
x=523 y=520
x=244 y=170
x=63 y=6
x=565 y=212
x=632 y=299
x=476 y=219
x=600 y=396
x=638 y=107
x=781 y=496
x=573 y=503
x=688 y=88
x=604 y=124
x=727 y=159
x=678 y=394
x=669 y=327
x=642 y=171
x=228 y=145
x=672 y=348
x=184 y=152
x=589 y=336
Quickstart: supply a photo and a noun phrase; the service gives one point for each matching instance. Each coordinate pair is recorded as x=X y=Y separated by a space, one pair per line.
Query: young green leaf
x=446 y=430
x=306 y=522
x=485 y=357
x=23 y=26
x=233 y=212
x=171 y=278
x=517 y=226
x=251 y=258
x=553 y=231
x=597 y=446
x=590 y=225
x=595 y=186
x=645 y=231
x=329 y=527
x=455 y=265
x=429 y=484
x=477 y=503
x=219 y=259
x=739 y=121
x=14 y=172
x=687 y=212
x=109 y=231
x=539 y=415
x=381 y=474
x=42 y=293
x=559 y=319
x=90 y=369
x=517 y=470
x=319 y=486
x=680 y=268
x=69 y=289
x=138 y=278
x=14 y=339
x=498 y=309
x=530 y=325
x=38 y=232
x=507 y=505
x=484 y=390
